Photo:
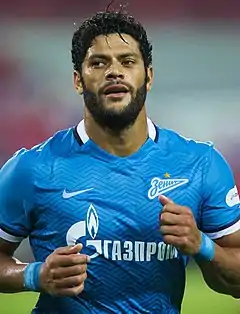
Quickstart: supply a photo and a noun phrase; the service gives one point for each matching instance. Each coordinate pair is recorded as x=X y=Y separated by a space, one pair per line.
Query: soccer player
x=115 y=206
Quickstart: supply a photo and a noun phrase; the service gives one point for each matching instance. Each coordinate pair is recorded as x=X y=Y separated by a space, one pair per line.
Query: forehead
x=113 y=44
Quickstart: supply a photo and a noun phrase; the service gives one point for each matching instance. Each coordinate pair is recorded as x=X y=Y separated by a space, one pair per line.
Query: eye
x=98 y=64
x=128 y=62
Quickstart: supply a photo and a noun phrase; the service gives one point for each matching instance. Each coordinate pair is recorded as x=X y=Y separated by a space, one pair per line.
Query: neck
x=122 y=144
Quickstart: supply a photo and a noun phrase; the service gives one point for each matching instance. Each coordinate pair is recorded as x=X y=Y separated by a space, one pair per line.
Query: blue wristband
x=207 y=249
x=31 y=276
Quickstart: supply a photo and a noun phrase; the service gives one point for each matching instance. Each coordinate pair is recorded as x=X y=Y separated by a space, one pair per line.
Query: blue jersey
x=68 y=190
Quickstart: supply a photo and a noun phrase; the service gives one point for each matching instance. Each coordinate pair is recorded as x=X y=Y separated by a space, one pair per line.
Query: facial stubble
x=115 y=120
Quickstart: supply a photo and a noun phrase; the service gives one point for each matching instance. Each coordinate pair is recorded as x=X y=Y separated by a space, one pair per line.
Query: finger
x=69 y=249
x=175 y=209
x=68 y=260
x=70 y=282
x=176 y=241
x=64 y=272
x=168 y=218
x=70 y=292
x=164 y=200
x=174 y=230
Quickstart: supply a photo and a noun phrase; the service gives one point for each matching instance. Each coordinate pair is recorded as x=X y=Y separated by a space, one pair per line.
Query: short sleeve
x=15 y=198
x=220 y=214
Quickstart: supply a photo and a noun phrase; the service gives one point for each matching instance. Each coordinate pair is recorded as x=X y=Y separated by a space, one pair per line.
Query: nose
x=114 y=72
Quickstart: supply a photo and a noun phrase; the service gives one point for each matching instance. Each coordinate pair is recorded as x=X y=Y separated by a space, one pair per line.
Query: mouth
x=116 y=91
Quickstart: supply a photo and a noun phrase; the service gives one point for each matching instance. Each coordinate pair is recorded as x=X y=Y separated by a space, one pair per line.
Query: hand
x=178 y=227
x=64 y=271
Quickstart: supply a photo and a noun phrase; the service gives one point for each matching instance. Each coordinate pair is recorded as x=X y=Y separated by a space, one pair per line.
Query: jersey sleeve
x=15 y=198
x=220 y=212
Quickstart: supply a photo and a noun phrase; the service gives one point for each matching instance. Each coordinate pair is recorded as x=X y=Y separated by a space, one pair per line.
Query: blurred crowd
x=27 y=117
x=149 y=10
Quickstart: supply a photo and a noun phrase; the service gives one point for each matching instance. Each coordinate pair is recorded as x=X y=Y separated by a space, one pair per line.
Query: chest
x=93 y=199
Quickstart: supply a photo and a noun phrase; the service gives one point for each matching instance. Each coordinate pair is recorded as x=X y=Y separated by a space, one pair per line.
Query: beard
x=112 y=119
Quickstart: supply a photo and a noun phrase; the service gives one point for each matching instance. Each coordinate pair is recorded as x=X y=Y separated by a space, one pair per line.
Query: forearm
x=11 y=274
x=222 y=274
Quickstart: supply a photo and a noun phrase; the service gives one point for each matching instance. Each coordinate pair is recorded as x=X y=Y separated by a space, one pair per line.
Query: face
x=114 y=81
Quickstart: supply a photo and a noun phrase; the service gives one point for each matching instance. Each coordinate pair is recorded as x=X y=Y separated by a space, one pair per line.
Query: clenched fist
x=64 y=271
x=178 y=227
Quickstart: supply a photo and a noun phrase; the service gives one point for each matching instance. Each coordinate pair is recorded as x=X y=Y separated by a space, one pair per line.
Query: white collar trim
x=84 y=137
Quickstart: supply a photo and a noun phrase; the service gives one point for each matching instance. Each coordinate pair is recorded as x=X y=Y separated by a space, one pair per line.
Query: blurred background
x=196 y=61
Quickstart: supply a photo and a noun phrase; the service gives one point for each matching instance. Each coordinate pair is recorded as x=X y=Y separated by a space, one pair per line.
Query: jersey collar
x=81 y=132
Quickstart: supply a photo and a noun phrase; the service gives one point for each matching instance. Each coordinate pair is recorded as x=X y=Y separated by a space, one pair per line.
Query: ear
x=77 y=82
x=149 y=78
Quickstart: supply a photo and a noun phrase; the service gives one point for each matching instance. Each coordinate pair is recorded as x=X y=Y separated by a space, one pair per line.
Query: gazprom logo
x=92 y=222
x=116 y=250
x=80 y=228
x=160 y=186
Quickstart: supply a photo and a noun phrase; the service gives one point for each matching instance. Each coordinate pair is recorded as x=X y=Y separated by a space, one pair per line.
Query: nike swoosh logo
x=67 y=195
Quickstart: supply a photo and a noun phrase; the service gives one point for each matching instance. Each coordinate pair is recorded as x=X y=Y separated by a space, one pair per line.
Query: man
x=115 y=207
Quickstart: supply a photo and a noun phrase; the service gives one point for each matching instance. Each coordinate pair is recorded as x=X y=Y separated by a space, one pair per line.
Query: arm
x=16 y=195
x=11 y=271
x=222 y=274
x=64 y=271
x=62 y=274
x=215 y=242
x=221 y=222
x=219 y=261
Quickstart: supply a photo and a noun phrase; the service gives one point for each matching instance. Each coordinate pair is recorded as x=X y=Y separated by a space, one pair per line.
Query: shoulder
x=175 y=142
x=60 y=144
x=23 y=162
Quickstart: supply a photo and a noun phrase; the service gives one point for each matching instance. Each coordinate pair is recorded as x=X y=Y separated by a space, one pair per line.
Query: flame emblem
x=92 y=221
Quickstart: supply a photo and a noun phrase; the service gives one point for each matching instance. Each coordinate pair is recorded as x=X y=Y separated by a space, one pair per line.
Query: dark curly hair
x=105 y=23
